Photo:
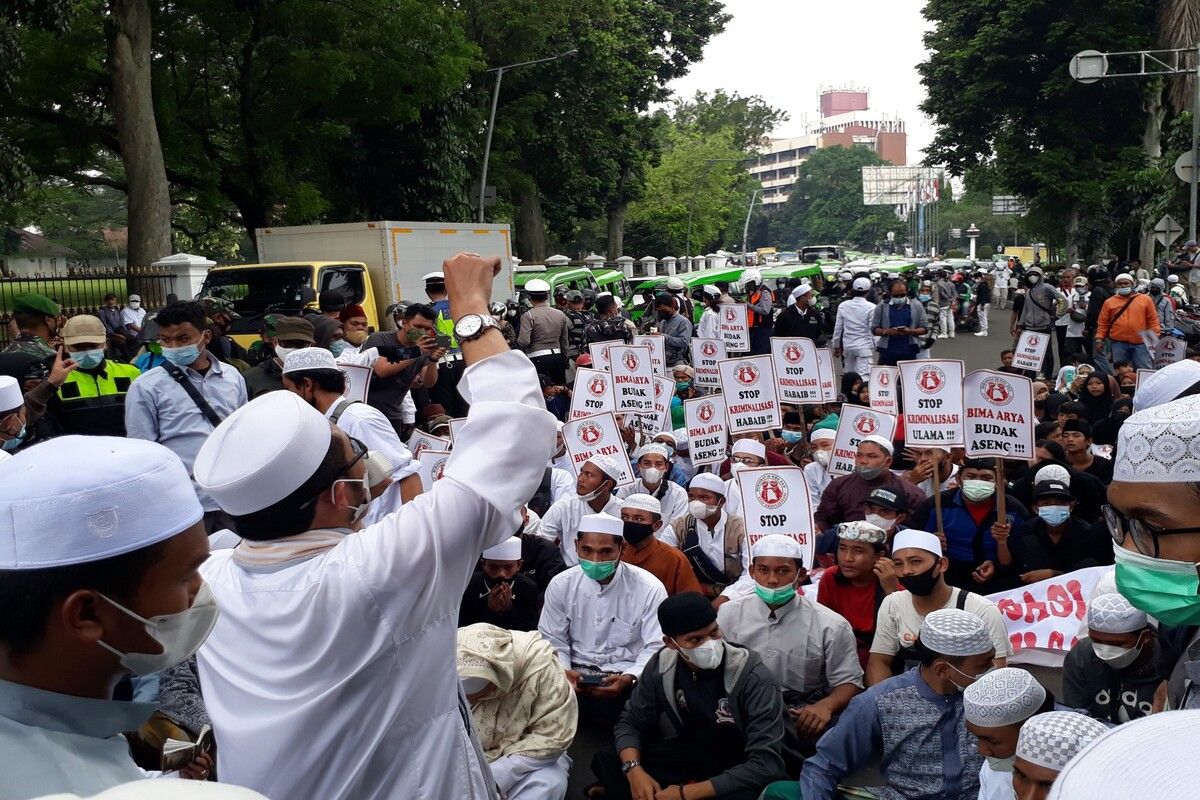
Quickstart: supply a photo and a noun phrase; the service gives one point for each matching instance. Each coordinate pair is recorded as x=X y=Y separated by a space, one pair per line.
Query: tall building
x=846 y=121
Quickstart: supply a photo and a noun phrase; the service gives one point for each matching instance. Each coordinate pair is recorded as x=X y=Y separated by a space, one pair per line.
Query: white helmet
x=751 y=276
x=537 y=286
x=674 y=285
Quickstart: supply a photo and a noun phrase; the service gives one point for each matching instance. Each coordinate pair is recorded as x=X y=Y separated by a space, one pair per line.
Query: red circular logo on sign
x=658 y=390
x=793 y=353
x=706 y=411
x=1034 y=341
x=930 y=379
x=746 y=374
x=631 y=360
x=998 y=391
x=590 y=433
x=730 y=315
x=708 y=349
x=884 y=378
x=770 y=490
x=865 y=424
x=439 y=468
x=597 y=386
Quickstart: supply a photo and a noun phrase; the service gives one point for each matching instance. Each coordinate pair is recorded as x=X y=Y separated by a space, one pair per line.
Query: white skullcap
x=167 y=790
x=1161 y=444
x=749 y=447
x=602 y=523
x=643 y=502
x=433 y=276
x=1151 y=757
x=262 y=452
x=508 y=550
x=606 y=464
x=78 y=499
x=655 y=449
x=1004 y=696
x=1172 y=279
x=922 y=540
x=801 y=290
x=1124 y=276
x=712 y=291
x=954 y=632
x=1052 y=739
x=708 y=482
x=1052 y=472
x=670 y=435
x=307 y=358
x=822 y=435
x=1166 y=384
x=1112 y=613
x=861 y=284
x=10 y=393
x=776 y=544
x=876 y=439
x=861 y=532
x=681 y=438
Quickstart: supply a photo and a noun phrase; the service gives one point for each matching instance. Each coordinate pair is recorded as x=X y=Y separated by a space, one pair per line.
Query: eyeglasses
x=747 y=460
x=1145 y=536
x=360 y=452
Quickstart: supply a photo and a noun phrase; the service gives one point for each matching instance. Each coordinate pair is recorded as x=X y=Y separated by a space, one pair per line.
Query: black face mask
x=638 y=532
x=922 y=584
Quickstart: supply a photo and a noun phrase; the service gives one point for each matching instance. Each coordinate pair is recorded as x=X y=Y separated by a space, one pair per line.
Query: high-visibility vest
x=753 y=317
x=93 y=402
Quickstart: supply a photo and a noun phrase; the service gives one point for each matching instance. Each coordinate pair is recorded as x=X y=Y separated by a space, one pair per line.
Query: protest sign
x=433 y=466
x=358 y=381
x=1045 y=619
x=593 y=393
x=705 y=421
x=825 y=365
x=882 y=386
x=797 y=375
x=1168 y=351
x=735 y=327
x=456 y=425
x=855 y=423
x=1031 y=350
x=706 y=353
x=998 y=414
x=1142 y=374
x=933 y=402
x=599 y=353
x=776 y=500
x=660 y=420
x=597 y=435
x=633 y=379
x=420 y=442
x=749 y=387
x=658 y=350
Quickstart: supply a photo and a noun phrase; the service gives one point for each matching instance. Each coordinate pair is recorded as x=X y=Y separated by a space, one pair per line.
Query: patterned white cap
x=749 y=447
x=822 y=435
x=1112 y=613
x=508 y=550
x=643 y=502
x=1161 y=444
x=879 y=441
x=708 y=482
x=922 y=540
x=307 y=358
x=776 y=544
x=655 y=449
x=1004 y=696
x=1166 y=384
x=954 y=632
x=1052 y=472
x=607 y=465
x=861 y=532
x=1052 y=739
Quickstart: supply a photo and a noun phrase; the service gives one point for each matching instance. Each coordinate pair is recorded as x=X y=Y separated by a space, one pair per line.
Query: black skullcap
x=792 y=418
x=1079 y=426
x=685 y=613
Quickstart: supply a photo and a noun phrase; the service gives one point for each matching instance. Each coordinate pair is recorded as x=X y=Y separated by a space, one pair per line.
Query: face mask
x=88 y=359
x=598 y=570
x=1124 y=290
x=590 y=496
x=924 y=298
x=135 y=304
x=975 y=491
x=776 y=596
x=355 y=337
x=883 y=523
x=637 y=532
x=706 y=655
x=792 y=437
x=822 y=457
x=1001 y=764
x=922 y=584
x=869 y=473
x=180 y=635
x=183 y=356
x=414 y=335
x=971 y=678
x=337 y=347
x=899 y=301
x=682 y=386
x=1054 y=515
x=1167 y=590
x=360 y=509
x=700 y=509
x=1032 y=279
x=1116 y=657
x=16 y=441
x=652 y=475
x=282 y=352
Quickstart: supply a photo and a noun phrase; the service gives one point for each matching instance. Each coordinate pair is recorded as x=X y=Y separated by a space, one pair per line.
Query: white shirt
x=995 y=785
x=133 y=316
x=712 y=543
x=562 y=484
x=349 y=652
x=710 y=325
x=818 y=479
x=613 y=628
x=733 y=497
x=561 y=523
x=369 y=425
x=898 y=622
x=674 y=501
x=926 y=485
x=852 y=326
x=1079 y=301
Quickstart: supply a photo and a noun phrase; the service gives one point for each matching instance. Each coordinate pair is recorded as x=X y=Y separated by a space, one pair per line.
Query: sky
x=785 y=51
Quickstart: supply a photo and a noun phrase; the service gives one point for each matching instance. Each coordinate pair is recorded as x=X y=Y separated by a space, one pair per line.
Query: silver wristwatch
x=471 y=326
x=628 y=765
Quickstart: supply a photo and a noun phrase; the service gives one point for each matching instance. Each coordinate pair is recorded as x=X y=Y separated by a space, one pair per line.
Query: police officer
x=91 y=400
x=450 y=366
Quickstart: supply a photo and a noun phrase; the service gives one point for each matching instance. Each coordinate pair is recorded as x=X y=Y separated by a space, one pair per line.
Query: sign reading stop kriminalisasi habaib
x=706 y=353
x=856 y=423
x=776 y=500
x=593 y=393
x=1031 y=350
x=1168 y=350
x=825 y=363
x=933 y=402
x=883 y=390
x=633 y=379
x=797 y=375
x=597 y=435
x=749 y=387
x=660 y=420
x=599 y=353
x=998 y=415
x=705 y=421
x=1045 y=619
x=658 y=350
x=735 y=327
x=421 y=442
x=433 y=466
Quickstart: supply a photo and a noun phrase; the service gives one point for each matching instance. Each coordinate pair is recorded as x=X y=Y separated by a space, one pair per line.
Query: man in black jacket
x=802 y=318
x=1102 y=289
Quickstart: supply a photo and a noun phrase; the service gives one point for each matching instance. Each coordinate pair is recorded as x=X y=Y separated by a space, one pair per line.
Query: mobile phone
x=442 y=340
x=591 y=679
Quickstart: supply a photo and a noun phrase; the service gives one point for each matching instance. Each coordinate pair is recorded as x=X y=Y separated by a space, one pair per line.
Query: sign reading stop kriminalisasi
x=856 y=423
x=706 y=354
x=658 y=350
x=1031 y=350
x=593 y=393
x=597 y=435
x=776 y=500
x=706 y=429
x=825 y=363
x=633 y=379
x=882 y=388
x=1168 y=350
x=933 y=402
x=797 y=373
x=734 y=326
x=749 y=387
x=998 y=413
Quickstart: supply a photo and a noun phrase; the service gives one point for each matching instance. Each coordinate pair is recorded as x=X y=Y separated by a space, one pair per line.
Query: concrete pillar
x=625 y=264
x=670 y=264
x=187 y=273
x=594 y=262
x=557 y=261
x=650 y=265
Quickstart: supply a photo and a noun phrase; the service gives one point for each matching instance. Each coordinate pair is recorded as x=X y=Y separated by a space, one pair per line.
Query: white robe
x=995 y=785
x=561 y=523
x=674 y=502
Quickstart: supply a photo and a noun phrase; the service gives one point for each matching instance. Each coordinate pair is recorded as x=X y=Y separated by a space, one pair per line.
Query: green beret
x=34 y=303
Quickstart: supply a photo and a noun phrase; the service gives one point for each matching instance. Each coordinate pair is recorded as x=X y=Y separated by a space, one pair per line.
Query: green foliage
x=70 y=215
x=750 y=118
x=826 y=207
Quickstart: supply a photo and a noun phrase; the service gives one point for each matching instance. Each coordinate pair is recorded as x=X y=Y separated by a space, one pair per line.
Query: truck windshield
x=810 y=255
x=255 y=292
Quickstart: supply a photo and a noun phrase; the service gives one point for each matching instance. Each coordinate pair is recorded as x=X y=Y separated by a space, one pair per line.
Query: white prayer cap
x=1052 y=472
x=643 y=502
x=801 y=290
x=922 y=540
x=262 y=452
x=602 y=523
x=1151 y=757
x=10 y=393
x=822 y=435
x=655 y=449
x=307 y=358
x=861 y=532
x=880 y=441
x=669 y=435
x=749 y=447
x=167 y=790
x=1166 y=384
x=1161 y=444
x=606 y=464
x=712 y=291
x=508 y=550
x=776 y=544
x=434 y=277
x=861 y=284
x=709 y=482
x=1004 y=696
x=1172 y=279
x=78 y=499
x=1112 y=613
x=1124 y=276
x=954 y=632
x=1052 y=739
x=681 y=439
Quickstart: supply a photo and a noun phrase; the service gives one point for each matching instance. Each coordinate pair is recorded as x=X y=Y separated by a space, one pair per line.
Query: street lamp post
x=746 y=227
x=487 y=148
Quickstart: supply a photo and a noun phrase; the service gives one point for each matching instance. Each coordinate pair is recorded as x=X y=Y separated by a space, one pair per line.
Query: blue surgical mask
x=791 y=437
x=1054 y=515
x=924 y=298
x=16 y=441
x=337 y=347
x=1124 y=290
x=88 y=359
x=182 y=356
x=899 y=301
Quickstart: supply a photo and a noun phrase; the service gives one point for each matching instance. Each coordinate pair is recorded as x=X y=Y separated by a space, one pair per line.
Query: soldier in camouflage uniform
x=37 y=318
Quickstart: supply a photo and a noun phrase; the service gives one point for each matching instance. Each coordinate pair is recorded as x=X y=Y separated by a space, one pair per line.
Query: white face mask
x=360 y=509
x=1117 y=657
x=707 y=655
x=883 y=523
x=281 y=352
x=1001 y=764
x=135 y=304
x=822 y=457
x=590 y=496
x=180 y=635
x=651 y=476
x=701 y=510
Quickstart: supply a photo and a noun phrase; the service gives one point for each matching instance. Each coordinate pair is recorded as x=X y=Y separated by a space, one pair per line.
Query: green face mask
x=1167 y=590
x=682 y=386
x=598 y=570
x=415 y=335
x=774 y=597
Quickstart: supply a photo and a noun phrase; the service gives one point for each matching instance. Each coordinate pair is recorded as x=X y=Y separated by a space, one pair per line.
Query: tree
x=825 y=206
x=749 y=118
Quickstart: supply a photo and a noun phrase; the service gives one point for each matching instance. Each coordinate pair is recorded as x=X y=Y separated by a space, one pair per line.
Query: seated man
x=499 y=594
x=1046 y=744
x=1113 y=672
x=744 y=454
x=593 y=495
x=856 y=585
x=540 y=559
x=809 y=649
x=914 y=721
x=843 y=498
x=705 y=720
x=711 y=537
x=930 y=462
x=640 y=514
x=654 y=467
x=600 y=615
x=816 y=473
x=523 y=707
x=886 y=509
x=1054 y=541
x=995 y=707
x=921 y=570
